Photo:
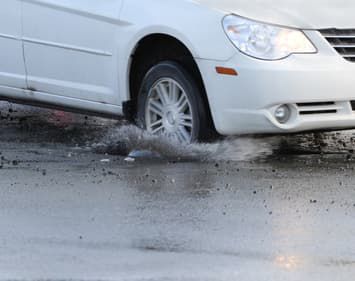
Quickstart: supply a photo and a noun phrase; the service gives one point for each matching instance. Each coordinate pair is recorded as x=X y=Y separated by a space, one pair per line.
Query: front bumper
x=318 y=88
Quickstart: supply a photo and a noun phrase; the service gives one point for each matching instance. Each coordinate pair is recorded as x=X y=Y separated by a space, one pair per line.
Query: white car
x=185 y=68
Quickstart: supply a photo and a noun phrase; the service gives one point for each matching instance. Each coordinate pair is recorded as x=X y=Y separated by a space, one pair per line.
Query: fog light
x=283 y=113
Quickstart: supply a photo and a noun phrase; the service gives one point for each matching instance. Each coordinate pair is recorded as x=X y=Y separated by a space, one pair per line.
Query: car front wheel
x=171 y=104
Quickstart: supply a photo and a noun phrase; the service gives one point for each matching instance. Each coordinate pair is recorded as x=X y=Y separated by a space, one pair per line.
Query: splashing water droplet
x=129 y=139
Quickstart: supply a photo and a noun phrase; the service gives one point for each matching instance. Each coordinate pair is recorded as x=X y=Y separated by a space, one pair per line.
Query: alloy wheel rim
x=169 y=111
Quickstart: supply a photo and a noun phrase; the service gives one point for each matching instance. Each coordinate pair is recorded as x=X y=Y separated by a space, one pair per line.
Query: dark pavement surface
x=74 y=207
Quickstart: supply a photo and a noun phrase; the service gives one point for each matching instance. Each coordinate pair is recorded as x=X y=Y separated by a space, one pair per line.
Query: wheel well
x=154 y=49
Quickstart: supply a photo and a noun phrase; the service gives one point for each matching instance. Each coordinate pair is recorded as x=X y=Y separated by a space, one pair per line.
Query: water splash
x=125 y=139
x=34 y=125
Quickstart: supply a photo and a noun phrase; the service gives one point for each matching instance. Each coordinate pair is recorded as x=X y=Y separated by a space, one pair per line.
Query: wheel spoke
x=157 y=123
x=178 y=137
x=157 y=130
x=163 y=93
x=156 y=107
x=174 y=91
x=187 y=124
x=186 y=120
x=182 y=103
x=185 y=136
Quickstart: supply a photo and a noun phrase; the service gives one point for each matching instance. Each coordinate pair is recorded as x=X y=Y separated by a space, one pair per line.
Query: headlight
x=265 y=41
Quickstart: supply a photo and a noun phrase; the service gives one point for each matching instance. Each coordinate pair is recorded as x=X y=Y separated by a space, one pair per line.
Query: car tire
x=165 y=87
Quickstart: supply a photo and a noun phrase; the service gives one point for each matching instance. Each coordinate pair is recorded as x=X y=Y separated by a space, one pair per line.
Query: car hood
x=305 y=14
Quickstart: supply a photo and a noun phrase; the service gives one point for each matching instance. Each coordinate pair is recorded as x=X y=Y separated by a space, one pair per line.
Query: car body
x=92 y=56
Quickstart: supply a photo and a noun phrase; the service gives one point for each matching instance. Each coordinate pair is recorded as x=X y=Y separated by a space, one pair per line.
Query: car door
x=12 y=67
x=71 y=48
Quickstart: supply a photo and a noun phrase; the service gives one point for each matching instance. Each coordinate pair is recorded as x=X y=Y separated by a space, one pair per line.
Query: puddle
x=27 y=124
x=139 y=144
x=129 y=140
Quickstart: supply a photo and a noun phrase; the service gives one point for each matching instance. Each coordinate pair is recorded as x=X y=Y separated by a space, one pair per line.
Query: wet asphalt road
x=72 y=207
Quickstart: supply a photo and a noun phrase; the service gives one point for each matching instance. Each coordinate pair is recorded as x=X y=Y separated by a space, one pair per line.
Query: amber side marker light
x=226 y=71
